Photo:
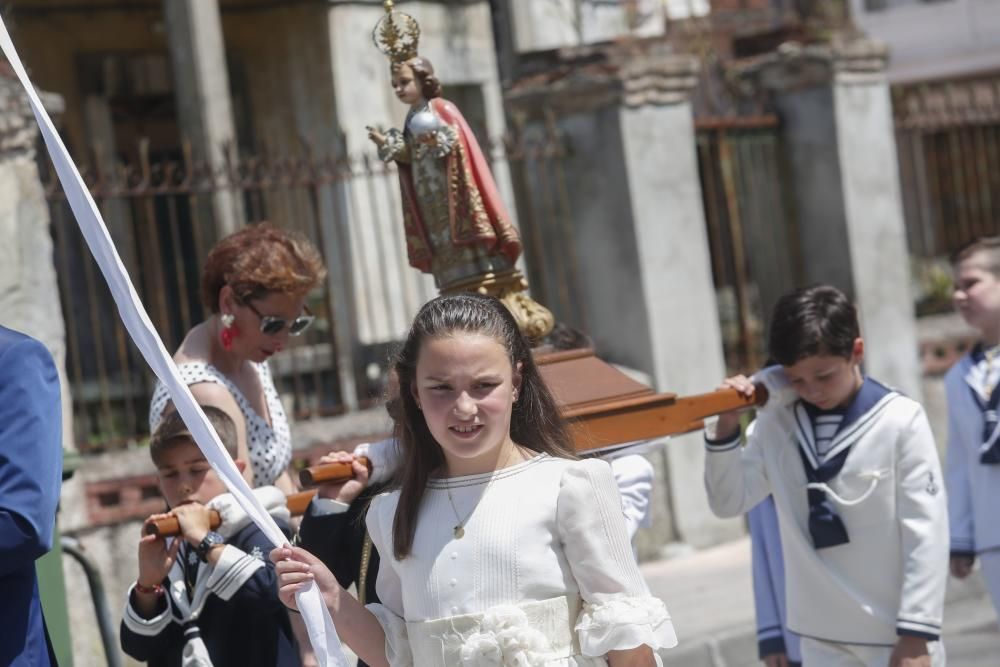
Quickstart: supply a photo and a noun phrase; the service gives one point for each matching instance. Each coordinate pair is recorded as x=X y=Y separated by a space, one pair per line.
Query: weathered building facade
x=651 y=198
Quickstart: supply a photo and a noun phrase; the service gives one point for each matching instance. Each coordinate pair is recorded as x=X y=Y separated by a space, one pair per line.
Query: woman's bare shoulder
x=196 y=346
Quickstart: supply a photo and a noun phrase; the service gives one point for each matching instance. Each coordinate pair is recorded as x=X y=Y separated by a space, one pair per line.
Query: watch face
x=210 y=540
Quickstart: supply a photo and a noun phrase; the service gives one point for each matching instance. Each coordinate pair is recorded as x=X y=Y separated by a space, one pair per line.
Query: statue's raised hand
x=376 y=136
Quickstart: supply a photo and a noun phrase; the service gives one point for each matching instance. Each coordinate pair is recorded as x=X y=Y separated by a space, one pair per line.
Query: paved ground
x=710 y=598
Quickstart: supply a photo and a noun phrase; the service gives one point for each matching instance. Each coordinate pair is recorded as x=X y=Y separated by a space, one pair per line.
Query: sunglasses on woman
x=271 y=325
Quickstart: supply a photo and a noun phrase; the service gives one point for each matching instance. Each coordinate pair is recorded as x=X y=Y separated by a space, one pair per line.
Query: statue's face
x=405 y=84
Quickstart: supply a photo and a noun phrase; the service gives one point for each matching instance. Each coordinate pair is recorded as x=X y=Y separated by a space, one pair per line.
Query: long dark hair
x=535 y=422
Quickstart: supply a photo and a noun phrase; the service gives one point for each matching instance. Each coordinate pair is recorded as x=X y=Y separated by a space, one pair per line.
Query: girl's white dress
x=544 y=574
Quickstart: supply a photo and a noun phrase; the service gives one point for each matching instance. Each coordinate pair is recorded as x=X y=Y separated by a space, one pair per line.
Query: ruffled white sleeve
x=388 y=586
x=618 y=610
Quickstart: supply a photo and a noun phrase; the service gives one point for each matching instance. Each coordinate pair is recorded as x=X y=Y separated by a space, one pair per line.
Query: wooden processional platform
x=606 y=408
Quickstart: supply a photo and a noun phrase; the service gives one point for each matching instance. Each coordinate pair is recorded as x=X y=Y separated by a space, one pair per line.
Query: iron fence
x=160 y=214
x=948 y=142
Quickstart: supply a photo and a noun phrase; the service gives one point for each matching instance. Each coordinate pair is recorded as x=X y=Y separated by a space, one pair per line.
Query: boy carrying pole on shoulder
x=857 y=487
x=206 y=598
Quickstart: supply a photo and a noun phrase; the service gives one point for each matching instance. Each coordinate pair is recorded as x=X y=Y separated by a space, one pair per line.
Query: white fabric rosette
x=505 y=639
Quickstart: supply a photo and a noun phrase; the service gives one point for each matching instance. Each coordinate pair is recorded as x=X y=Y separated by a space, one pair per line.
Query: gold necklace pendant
x=459 y=530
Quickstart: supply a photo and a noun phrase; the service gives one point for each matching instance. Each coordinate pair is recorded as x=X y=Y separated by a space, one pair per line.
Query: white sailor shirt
x=890 y=577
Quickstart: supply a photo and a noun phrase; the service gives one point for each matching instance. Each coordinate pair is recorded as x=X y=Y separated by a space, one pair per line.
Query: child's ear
x=516 y=378
x=858 y=351
x=241 y=465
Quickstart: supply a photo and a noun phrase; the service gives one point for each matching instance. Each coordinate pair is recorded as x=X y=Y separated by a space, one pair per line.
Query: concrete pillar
x=637 y=244
x=837 y=127
x=201 y=82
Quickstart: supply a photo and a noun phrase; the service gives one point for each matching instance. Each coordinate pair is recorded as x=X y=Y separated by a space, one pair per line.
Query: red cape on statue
x=477 y=213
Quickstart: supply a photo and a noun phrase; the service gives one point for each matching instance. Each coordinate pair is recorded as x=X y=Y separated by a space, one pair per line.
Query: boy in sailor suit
x=857 y=487
x=973 y=466
x=206 y=599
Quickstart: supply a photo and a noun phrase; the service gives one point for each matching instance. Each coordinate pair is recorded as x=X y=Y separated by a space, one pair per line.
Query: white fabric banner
x=322 y=633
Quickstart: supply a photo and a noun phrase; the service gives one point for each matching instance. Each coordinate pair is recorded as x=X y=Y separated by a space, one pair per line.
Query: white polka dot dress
x=270 y=446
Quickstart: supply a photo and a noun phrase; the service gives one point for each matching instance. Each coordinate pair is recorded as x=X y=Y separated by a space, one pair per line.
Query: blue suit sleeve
x=145 y=639
x=962 y=530
x=329 y=539
x=30 y=453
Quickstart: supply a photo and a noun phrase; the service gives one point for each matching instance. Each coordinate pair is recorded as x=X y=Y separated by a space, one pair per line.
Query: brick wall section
x=118 y=500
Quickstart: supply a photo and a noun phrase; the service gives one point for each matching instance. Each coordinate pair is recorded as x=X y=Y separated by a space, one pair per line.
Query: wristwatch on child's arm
x=211 y=539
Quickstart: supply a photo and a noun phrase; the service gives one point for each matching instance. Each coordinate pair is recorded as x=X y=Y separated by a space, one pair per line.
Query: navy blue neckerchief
x=990 y=450
x=189 y=566
x=825 y=526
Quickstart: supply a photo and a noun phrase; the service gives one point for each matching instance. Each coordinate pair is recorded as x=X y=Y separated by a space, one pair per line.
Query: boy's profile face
x=185 y=475
x=977 y=292
x=827 y=381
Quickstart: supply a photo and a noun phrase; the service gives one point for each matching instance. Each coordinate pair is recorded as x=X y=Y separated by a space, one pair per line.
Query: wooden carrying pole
x=593 y=427
x=612 y=423
x=330 y=472
x=168 y=526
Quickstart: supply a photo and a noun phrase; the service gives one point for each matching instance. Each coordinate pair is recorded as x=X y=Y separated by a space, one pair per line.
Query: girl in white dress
x=498 y=548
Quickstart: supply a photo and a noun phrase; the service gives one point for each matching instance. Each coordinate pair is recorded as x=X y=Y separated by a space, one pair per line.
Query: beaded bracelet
x=150 y=590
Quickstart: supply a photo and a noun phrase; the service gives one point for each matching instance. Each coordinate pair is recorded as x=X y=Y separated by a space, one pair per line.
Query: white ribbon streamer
x=322 y=632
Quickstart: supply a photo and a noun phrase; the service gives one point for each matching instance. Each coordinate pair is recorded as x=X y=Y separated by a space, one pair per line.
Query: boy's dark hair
x=813 y=321
x=172 y=430
x=535 y=421
x=989 y=245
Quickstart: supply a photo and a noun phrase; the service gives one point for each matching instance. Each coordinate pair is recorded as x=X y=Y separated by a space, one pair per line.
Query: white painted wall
x=540 y=25
x=875 y=230
x=933 y=40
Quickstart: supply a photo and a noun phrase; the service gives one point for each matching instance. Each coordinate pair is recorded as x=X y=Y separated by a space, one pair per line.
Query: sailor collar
x=862 y=412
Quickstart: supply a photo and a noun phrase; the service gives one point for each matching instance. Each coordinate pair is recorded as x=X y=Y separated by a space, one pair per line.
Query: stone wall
x=29 y=295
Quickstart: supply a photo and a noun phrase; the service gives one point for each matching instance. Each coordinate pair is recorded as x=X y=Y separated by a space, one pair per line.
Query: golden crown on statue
x=396 y=34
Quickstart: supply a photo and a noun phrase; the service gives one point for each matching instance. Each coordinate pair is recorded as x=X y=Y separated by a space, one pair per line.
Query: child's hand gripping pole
x=169 y=526
x=698 y=407
x=330 y=472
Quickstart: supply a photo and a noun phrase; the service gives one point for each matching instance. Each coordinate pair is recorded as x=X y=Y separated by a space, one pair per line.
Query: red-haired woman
x=254 y=283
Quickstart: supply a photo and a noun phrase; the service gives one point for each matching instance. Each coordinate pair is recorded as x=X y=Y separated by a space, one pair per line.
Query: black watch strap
x=210 y=540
